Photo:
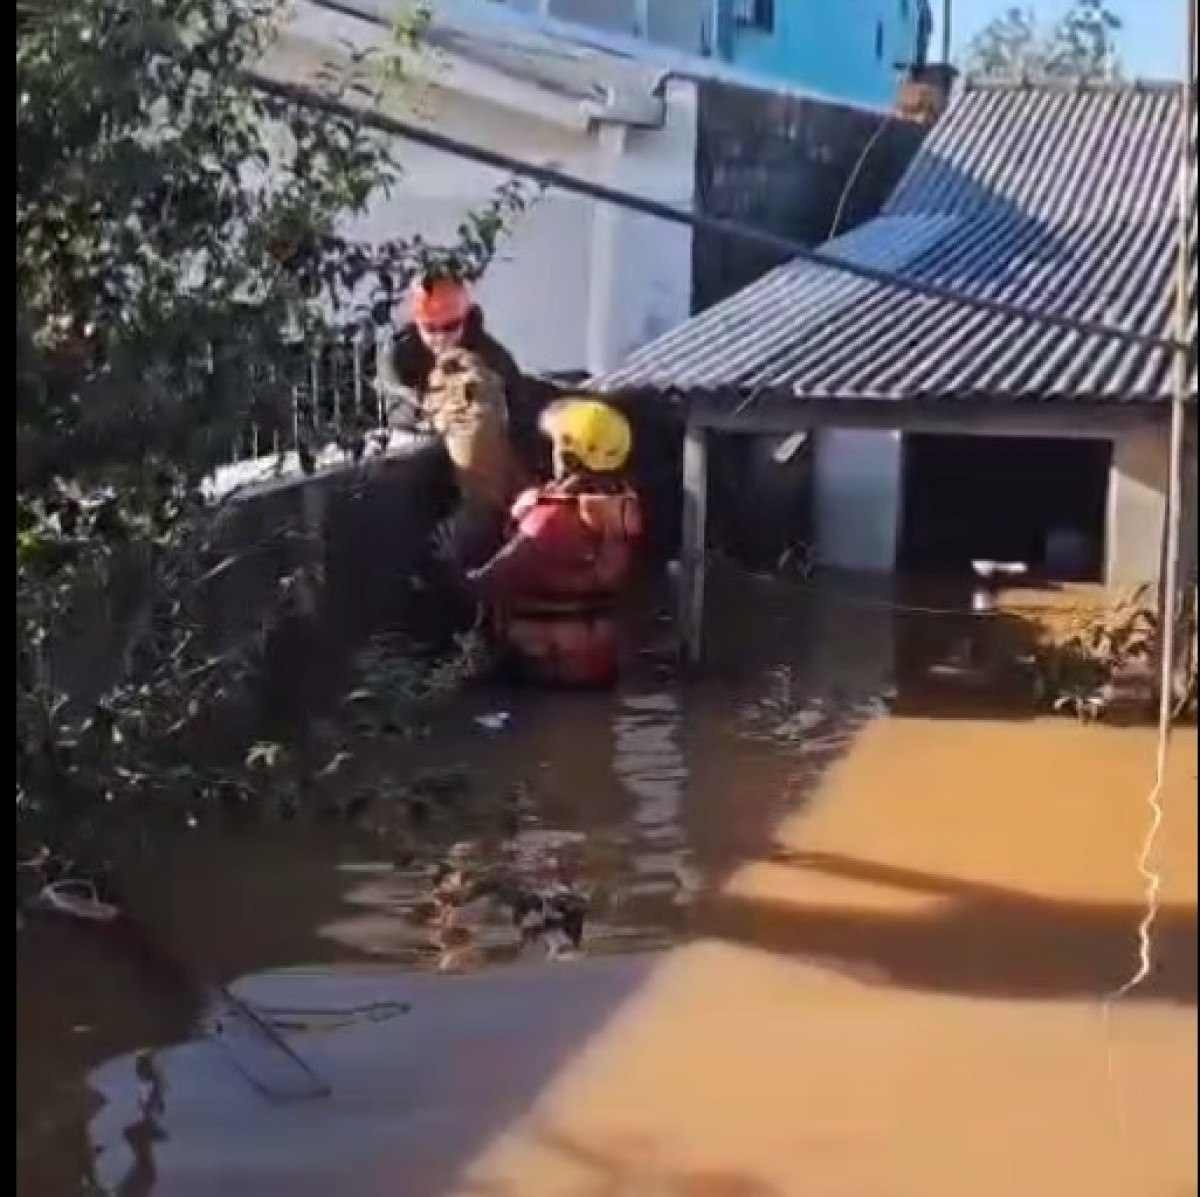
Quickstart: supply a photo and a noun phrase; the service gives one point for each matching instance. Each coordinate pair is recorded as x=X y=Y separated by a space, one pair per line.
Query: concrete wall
x=859 y=497
x=641 y=267
x=367 y=531
x=783 y=164
x=1137 y=504
x=578 y=285
x=858 y=487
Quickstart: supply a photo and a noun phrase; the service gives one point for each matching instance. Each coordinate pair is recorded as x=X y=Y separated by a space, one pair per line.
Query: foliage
x=173 y=225
x=1083 y=42
x=393 y=677
x=84 y=764
x=1007 y=46
x=1080 y=666
x=1081 y=45
x=178 y=236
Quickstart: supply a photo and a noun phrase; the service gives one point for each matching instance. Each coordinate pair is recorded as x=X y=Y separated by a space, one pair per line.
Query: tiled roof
x=1061 y=199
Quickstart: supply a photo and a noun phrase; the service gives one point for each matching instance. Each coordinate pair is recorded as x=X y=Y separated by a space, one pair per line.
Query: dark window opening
x=755 y=14
x=1034 y=500
x=879 y=40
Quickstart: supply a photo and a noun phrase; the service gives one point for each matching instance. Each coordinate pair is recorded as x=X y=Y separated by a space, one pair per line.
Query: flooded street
x=835 y=944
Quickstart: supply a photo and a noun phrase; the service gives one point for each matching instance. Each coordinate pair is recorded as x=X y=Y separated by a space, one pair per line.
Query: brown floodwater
x=852 y=907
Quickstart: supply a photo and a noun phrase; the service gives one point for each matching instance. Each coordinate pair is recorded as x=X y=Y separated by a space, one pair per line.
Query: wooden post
x=691 y=552
x=1169 y=595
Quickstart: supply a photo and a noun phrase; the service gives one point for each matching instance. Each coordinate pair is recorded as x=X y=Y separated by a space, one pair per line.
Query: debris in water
x=1000 y=569
x=553 y=917
x=77 y=899
x=150 y=1085
x=495 y=722
x=311 y=1019
x=689 y=882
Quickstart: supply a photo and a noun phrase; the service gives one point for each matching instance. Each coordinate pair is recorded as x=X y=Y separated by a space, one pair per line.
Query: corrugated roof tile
x=1062 y=199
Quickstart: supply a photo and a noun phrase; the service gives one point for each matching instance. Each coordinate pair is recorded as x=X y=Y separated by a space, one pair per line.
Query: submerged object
x=77 y=899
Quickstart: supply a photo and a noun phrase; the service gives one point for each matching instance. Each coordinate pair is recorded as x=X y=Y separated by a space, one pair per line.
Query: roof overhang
x=522 y=71
x=783 y=413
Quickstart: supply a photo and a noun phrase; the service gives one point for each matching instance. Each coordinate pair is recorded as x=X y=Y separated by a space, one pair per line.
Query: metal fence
x=326 y=389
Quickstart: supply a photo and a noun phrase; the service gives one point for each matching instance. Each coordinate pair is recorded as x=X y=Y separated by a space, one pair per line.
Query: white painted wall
x=579 y=285
x=860 y=488
x=858 y=496
x=1137 y=506
x=641 y=281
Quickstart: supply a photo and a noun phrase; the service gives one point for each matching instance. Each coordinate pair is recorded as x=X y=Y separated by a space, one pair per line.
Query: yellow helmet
x=595 y=434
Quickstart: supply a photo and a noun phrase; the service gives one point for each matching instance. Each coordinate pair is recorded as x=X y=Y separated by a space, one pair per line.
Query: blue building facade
x=856 y=51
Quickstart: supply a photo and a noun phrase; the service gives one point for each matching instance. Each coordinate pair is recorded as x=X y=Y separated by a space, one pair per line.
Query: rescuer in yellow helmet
x=556 y=581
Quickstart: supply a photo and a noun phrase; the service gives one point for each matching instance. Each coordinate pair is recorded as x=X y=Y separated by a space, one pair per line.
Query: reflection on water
x=641 y=802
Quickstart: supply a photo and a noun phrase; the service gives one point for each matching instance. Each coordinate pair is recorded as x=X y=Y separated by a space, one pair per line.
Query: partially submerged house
x=944 y=433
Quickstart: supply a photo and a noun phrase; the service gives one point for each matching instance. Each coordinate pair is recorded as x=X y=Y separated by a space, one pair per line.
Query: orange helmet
x=439 y=303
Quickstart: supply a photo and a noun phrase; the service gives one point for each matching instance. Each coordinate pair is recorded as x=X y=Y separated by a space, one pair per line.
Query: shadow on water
x=657 y=778
x=662 y=789
x=982 y=940
x=617 y=1166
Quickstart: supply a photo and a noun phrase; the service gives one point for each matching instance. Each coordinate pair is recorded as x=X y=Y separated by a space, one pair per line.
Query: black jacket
x=408 y=363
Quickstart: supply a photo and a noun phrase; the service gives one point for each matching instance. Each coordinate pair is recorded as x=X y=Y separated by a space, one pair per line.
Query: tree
x=1081 y=45
x=1007 y=46
x=177 y=238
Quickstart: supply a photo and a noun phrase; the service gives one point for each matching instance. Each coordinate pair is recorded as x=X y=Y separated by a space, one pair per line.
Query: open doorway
x=1040 y=501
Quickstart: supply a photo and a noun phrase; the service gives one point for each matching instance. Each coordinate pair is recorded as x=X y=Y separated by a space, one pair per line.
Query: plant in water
x=1079 y=668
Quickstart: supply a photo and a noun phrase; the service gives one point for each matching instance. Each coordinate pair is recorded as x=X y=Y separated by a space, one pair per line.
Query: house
x=945 y=433
x=578 y=284
x=853 y=50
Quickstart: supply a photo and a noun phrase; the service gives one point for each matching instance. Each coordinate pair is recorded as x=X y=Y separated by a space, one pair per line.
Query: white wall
x=860 y=487
x=642 y=266
x=1137 y=504
x=858 y=494
x=579 y=284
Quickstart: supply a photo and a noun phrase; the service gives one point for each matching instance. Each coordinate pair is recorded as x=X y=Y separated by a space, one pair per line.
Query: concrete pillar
x=693 y=542
x=603 y=338
x=641 y=267
x=858 y=497
x=1137 y=505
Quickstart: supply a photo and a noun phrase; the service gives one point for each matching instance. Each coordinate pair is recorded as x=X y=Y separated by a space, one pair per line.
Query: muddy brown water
x=670 y=799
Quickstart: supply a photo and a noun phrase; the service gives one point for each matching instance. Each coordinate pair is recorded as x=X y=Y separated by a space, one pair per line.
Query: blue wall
x=823 y=46
x=830 y=46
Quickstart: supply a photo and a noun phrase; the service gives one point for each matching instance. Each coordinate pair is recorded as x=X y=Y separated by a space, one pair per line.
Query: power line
x=548 y=176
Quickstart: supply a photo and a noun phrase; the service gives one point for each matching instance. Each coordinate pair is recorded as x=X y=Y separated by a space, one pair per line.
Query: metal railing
x=330 y=390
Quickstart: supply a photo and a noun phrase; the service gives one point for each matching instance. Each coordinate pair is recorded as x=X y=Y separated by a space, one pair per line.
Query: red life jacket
x=585 y=542
x=557 y=612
